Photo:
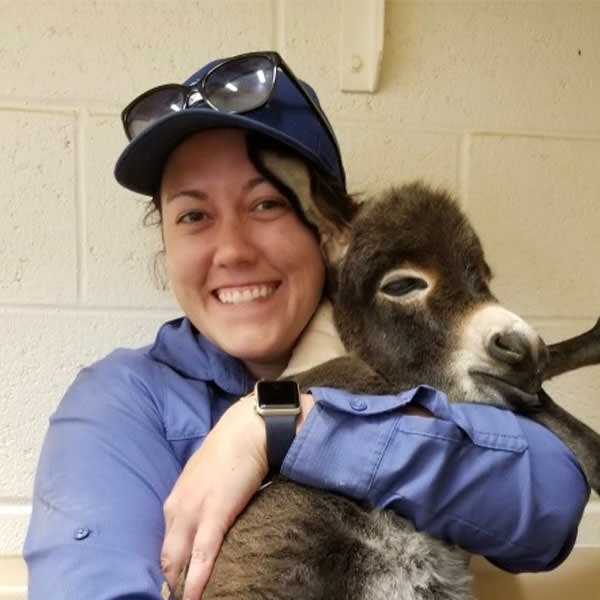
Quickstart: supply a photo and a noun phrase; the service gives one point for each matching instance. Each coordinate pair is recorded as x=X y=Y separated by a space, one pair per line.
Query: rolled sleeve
x=483 y=478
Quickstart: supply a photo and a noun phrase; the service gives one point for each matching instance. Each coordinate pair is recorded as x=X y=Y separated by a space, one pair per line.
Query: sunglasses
x=236 y=85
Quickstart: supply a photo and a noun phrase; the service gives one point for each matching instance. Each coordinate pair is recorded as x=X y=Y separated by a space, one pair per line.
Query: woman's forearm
x=491 y=482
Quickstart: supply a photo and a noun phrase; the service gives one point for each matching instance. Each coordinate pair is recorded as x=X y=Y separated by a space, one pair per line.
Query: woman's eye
x=270 y=204
x=194 y=216
x=403 y=285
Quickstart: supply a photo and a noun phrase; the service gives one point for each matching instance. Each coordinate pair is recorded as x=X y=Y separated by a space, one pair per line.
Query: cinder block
x=310 y=34
x=111 y=51
x=13 y=528
x=41 y=354
x=534 y=202
x=120 y=252
x=462 y=65
x=38 y=233
x=377 y=157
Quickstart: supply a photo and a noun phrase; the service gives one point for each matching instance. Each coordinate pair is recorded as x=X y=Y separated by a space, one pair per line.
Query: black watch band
x=278 y=403
x=281 y=431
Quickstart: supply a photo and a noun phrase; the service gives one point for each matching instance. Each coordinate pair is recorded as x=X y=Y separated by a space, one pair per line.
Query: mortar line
x=22 y=500
x=81 y=207
x=587 y=135
x=15 y=509
x=56 y=107
x=279 y=25
x=91 y=310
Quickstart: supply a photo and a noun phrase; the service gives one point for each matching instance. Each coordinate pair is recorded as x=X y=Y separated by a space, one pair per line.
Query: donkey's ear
x=294 y=174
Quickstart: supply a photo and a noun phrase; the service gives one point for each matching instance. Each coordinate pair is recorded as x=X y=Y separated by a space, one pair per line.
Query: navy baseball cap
x=287 y=117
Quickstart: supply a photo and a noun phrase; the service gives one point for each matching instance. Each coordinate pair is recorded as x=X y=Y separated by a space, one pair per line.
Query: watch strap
x=281 y=431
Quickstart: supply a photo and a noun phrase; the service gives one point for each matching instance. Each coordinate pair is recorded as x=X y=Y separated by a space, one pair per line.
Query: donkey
x=412 y=305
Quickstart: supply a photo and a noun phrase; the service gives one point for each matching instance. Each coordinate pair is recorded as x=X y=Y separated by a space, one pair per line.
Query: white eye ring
x=421 y=288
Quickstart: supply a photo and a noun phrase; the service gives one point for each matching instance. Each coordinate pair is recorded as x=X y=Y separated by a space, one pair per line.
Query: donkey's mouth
x=522 y=399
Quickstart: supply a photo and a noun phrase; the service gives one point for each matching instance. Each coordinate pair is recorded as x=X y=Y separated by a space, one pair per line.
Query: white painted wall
x=497 y=101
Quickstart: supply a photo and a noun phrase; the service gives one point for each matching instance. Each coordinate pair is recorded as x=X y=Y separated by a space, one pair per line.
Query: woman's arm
x=494 y=483
x=105 y=469
x=216 y=484
x=491 y=482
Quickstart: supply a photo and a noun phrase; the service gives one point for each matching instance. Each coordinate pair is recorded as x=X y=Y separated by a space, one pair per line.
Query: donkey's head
x=412 y=295
x=416 y=269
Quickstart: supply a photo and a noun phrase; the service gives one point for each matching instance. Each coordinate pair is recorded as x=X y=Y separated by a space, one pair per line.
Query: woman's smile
x=246 y=293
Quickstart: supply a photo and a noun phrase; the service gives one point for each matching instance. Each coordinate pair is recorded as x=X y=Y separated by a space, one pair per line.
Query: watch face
x=277 y=393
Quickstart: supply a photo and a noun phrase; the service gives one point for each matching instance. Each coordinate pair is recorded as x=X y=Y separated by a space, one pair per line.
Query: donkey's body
x=412 y=306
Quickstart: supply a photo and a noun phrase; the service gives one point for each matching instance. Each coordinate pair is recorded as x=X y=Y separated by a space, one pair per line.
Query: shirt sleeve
x=492 y=482
x=105 y=469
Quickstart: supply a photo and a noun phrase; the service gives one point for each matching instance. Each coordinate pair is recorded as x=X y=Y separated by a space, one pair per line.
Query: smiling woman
x=245 y=268
x=172 y=426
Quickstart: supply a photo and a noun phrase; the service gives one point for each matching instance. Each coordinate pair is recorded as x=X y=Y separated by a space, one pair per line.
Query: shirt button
x=358 y=403
x=81 y=533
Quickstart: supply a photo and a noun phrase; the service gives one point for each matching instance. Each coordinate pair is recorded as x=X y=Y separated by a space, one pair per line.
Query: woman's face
x=245 y=269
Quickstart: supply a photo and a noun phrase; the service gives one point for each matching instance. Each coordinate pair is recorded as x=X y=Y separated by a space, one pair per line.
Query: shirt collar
x=180 y=346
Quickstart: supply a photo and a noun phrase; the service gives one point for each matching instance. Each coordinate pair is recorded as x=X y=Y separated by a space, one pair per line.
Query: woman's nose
x=234 y=244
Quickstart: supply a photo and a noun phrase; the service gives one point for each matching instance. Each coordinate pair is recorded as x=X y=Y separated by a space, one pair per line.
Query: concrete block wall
x=496 y=101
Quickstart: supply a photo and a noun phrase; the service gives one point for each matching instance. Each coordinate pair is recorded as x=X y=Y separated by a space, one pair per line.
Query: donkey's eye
x=403 y=285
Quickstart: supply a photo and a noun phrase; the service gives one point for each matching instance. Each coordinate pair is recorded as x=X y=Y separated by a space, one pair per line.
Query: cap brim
x=140 y=166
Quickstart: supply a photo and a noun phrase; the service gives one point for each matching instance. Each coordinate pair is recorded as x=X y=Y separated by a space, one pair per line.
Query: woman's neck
x=266 y=370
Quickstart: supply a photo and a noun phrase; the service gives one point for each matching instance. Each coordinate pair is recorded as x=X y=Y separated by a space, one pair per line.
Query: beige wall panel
x=589 y=528
x=38 y=247
x=13 y=578
x=119 y=249
x=378 y=157
x=42 y=352
x=109 y=51
x=579 y=393
x=498 y=65
x=577 y=578
x=535 y=205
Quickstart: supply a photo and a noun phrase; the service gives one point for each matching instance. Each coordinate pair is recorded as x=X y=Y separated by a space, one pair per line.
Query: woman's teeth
x=245 y=295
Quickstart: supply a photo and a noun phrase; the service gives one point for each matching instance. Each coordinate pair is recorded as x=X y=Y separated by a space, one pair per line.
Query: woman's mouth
x=247 y=293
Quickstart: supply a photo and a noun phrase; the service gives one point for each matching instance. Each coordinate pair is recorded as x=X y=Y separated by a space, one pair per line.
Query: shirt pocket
x=490 y=427
x=484 y=426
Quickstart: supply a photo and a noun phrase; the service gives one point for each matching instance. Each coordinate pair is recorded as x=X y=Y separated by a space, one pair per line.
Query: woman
x=160 y=426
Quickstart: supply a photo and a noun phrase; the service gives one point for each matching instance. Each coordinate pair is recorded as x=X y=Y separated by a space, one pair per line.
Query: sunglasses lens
x=240 y=85
x=153 y=106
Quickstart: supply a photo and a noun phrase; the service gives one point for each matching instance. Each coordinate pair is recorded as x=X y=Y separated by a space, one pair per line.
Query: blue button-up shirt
x=492 y=482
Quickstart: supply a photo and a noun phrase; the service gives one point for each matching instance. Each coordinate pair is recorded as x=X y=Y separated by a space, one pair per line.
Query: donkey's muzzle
x=520 y=357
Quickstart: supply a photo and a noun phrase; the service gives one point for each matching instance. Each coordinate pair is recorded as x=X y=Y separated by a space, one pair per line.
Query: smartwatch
x=278 y=403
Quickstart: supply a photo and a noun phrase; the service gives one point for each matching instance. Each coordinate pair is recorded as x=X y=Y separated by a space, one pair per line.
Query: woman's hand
x=213 y=488
x=215 y=485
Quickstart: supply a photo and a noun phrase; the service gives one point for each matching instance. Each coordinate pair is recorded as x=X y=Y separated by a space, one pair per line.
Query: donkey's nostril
x=509 y=347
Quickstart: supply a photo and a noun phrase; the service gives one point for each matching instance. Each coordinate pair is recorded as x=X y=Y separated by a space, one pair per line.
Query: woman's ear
x=294 y=173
